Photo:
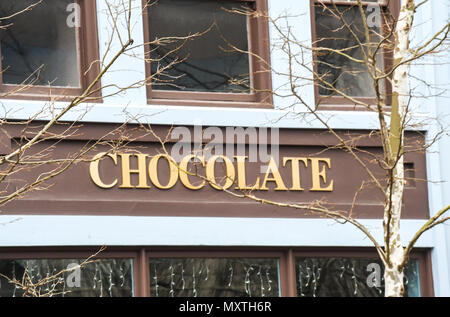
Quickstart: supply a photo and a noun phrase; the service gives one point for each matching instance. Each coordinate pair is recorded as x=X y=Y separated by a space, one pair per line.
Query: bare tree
x=363 y=52
x=34 y=148
x=338 y=72
x=336 y=75
x=30 y=162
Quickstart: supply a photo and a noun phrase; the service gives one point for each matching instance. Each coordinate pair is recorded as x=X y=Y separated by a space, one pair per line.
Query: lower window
x=203 y=272
x=214 y=277
x=66 y=277
x=349 y=277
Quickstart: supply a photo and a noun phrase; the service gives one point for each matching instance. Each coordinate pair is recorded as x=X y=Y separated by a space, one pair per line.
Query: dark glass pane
x=349 y=277
x=210 y=64
x=40 y=45
x=193 y=277
x=102 y=278
x=350 y=77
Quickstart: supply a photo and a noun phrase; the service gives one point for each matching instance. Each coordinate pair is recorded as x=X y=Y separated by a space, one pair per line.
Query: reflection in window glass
x=209 y=62
x=350 y=77
x=349 y=277
x=40 y=45
x=102 y=278
x=191 y=277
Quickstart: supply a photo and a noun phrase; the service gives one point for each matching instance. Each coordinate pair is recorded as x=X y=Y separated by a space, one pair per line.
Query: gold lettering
x=153 y=171
x=94 y=173
x=242 y=182
x=318 y=167
x=320 y=175
x=295 y=166
x=230 y=172
x=141 y=171
x=184 y=176
x=273 y=169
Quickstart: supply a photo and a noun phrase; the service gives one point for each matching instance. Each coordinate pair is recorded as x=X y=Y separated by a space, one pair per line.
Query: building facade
x=223 y=114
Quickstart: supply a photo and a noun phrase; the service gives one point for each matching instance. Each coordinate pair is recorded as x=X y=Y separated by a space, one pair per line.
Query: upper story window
x=207 y=52
x=343 y=50
x=47 y=48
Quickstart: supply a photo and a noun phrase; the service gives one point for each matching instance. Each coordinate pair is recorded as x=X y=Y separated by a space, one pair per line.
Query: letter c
x=94 y=173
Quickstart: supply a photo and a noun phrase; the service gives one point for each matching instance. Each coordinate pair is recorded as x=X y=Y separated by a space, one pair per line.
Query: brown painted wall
x=73 y=192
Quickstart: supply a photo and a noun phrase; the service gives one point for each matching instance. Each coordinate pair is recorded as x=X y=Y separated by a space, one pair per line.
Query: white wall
x=433 y=16
x=190 y=231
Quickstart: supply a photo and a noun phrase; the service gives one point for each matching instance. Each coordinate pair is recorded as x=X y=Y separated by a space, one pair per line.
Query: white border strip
x=206 y=116
x=36 y=230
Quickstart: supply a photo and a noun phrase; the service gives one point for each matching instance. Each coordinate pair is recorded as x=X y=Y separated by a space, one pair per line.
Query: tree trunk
x=393 y=272
x=393 y=279
x=393 y=275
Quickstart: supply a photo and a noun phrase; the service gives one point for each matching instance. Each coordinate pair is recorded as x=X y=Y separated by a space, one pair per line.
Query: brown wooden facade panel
x=74 y=191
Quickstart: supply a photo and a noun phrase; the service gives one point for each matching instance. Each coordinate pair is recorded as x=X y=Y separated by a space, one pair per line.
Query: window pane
x=39 y=44
x=349 y=277
x=102 y=278
x=350 y=77
x=210 y=64
x=193 y=277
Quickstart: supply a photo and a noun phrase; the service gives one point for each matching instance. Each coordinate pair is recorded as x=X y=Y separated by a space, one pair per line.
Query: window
x=349 y=277
x=207 y=272
x=340 y=49
x=214 y=277
x=102 y=278
x=47 y=48
x=280 y=272
x=198 y=52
